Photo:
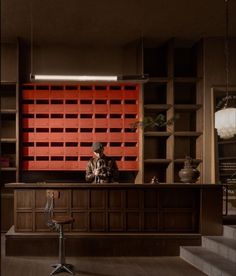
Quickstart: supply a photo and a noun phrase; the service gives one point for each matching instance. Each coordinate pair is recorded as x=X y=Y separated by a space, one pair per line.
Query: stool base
x=62 y=267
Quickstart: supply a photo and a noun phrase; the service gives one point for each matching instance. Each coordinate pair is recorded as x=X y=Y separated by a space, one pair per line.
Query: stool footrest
x=62 y=268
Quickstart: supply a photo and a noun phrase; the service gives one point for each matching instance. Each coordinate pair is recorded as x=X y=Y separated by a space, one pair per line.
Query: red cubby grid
x=60 y=123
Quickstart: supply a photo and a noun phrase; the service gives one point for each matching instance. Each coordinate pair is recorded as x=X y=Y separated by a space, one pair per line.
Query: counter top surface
x=39 y=185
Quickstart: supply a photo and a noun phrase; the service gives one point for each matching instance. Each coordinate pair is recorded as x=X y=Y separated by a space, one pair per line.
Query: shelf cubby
x=186 y=120
x=8 y=125
x=185 y=62
x=155 y=148
x=155 y=61
x=185 y=93
x=154 y=113
x=185 y=146
x=158 y=169
x=155 y=93
x=8 y=97
x=8 y=152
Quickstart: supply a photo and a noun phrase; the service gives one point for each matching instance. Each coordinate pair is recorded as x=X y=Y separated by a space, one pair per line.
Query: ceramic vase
x=188 y=174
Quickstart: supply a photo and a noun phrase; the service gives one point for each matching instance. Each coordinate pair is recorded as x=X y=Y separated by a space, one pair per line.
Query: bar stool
x=57 y=223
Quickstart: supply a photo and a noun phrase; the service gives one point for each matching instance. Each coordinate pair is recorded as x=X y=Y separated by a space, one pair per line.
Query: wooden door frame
x=214 y=149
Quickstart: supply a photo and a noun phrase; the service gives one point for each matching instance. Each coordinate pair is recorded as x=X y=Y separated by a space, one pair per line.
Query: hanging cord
x=142 y=55
x=31 y=38
x=226 y=52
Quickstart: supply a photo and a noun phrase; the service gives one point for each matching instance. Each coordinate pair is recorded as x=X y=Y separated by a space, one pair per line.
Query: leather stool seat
x=62 y=220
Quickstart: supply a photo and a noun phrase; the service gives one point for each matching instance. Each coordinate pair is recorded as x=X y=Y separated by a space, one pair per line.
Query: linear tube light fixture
x=73 y=78
x=139 y=78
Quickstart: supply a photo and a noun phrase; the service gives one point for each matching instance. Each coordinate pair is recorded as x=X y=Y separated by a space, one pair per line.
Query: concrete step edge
x=207 y=261
x=220 y=245
x=229 y=231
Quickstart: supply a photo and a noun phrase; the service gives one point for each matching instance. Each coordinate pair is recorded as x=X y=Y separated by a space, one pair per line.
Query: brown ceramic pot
x=188 y=174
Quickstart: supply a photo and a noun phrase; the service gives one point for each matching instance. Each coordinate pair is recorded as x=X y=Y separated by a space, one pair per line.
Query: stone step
x=229 y=231
x=207 y=261
x=221 y=245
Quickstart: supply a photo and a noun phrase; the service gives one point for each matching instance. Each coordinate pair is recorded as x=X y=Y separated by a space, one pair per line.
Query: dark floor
x=92 y=266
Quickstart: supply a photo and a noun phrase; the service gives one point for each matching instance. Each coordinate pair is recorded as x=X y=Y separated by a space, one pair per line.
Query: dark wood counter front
x=121 y=210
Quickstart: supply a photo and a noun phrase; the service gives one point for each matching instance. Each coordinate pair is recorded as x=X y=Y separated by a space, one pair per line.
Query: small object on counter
x=189 y=174
x=154 y=180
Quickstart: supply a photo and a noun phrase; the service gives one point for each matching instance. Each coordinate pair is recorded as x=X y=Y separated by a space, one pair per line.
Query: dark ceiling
x=104 y=22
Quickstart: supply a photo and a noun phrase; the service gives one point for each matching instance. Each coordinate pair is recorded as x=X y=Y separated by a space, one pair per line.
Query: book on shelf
x=228 y=164
x=228 y=167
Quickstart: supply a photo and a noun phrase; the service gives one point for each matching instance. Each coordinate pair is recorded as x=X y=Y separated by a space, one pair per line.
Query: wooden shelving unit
x=174 y=88
x=9 y=149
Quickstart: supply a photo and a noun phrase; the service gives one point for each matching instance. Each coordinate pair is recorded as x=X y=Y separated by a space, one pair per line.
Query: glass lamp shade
x=225 y=122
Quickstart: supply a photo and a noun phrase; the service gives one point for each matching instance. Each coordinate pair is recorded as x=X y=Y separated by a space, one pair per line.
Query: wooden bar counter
x=115 y=219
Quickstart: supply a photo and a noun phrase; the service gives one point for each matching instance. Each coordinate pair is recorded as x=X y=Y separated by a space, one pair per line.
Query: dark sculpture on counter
x=189 y=174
